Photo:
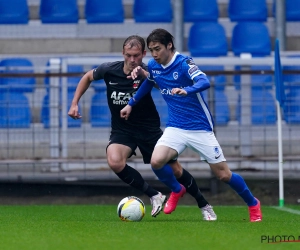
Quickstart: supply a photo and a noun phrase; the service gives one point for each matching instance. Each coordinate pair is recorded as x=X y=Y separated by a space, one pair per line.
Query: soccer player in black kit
x=141 y=130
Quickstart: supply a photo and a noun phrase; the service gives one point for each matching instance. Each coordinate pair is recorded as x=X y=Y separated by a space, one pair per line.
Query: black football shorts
x=145 y=143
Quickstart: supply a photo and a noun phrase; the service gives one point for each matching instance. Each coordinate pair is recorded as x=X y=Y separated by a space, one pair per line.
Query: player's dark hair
x=162 y=36
x=135 y=40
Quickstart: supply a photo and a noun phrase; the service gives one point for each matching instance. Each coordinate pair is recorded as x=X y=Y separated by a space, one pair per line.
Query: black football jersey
x=144 y=116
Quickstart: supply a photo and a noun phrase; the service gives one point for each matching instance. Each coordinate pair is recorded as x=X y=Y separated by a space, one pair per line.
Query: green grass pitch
x=98 y=227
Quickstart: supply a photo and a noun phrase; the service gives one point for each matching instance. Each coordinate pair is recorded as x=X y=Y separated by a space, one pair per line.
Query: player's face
x=133 y=57
x=160 y=53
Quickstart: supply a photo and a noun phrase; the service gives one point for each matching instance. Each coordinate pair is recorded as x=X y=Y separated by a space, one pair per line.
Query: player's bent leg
x=188 y=181
x=221 y=171
x=237 y=183
x=133 y=178
x=161 y=155
x=117 y=155
x=165 y=175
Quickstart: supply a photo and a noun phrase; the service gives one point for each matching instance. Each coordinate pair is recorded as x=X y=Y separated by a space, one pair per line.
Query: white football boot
x=208 y=213
x=157 y=202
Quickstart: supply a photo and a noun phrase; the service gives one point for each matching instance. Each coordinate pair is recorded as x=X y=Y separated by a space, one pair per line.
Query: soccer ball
x=131 y=208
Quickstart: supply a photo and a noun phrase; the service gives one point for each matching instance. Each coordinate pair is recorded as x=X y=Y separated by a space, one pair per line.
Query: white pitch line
x=289 y=210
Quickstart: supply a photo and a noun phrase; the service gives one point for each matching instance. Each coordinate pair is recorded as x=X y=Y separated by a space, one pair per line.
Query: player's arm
x=138 y=71
x=201 y=83
x=192 y=72
x=82 y=86
x=145 y=88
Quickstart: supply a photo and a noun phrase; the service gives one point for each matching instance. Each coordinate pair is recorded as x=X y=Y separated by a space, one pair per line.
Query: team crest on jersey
x=175 y=75
x=136 y=84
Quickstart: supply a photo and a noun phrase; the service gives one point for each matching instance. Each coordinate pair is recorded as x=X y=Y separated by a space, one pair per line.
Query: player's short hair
x=162 y=36
x=135 y=40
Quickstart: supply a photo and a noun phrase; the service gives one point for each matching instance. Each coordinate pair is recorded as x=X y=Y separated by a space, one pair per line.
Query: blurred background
x=47 y=45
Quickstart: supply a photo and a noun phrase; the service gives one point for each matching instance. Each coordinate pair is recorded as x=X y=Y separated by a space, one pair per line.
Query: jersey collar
x=172 y=60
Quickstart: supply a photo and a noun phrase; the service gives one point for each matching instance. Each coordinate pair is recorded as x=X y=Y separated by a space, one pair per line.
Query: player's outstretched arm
x=142 y=91
x=145 y=88
x=82 y=86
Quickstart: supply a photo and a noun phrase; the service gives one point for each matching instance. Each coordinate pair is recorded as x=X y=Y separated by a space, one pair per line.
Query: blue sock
x=165 y=175
x=238 y=184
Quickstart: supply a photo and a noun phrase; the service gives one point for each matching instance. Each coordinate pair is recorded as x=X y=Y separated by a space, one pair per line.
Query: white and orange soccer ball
x=131 y=208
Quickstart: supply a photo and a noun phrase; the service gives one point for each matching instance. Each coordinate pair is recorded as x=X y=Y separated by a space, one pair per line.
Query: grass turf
x=98 y=227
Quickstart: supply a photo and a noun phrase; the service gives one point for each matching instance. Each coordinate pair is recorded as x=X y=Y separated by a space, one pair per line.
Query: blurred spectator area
x=239 y=103
x=27 y=108
x=82 y=36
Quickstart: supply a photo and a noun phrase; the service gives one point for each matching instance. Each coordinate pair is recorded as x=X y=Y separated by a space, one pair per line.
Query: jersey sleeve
x=199 y=78
x=191 y=69
x=201 y=83
x=99 y=72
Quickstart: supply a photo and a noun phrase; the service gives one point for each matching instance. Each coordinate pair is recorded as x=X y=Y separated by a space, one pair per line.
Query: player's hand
x=125 y=112
x=137 y=71
x=73 y=112
x=178 y=91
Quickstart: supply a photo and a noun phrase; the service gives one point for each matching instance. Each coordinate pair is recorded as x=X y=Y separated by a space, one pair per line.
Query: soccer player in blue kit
x=190 y=123
x=141 y=131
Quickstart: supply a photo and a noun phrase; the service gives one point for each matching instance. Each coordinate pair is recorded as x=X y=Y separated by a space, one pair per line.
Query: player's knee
x=224 y=175
x=116 y=166
x=221 y=171
x=156 y=163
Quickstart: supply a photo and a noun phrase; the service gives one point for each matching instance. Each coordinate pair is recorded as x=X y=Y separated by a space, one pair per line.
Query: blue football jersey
x=185 y=112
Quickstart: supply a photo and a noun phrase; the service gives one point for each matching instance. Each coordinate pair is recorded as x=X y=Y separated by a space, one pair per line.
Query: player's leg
x=146 y=144
x=161 y=168
x=116 y=157
x=168 y=147
x=117 y=152
x=187 y=180
x=237 y=183
x=165 y=174
x=210 y=150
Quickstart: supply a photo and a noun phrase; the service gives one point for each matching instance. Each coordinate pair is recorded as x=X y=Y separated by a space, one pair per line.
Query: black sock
x=132 y=177
x=188 y=181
